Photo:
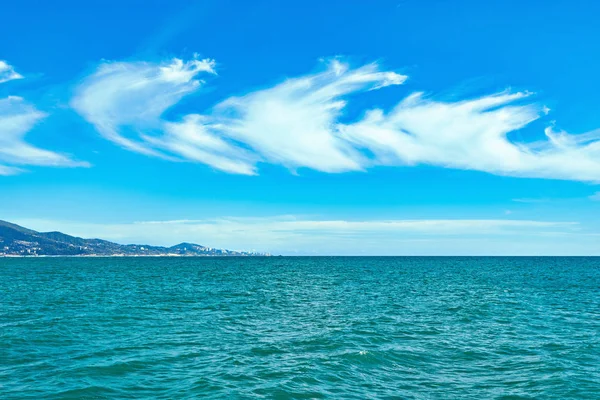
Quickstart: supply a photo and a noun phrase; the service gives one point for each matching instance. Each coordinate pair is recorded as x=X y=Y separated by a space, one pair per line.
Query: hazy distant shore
x=17 y=241
x=129 y=255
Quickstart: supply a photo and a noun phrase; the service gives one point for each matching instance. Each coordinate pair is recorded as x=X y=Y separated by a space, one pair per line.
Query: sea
x=300 y=328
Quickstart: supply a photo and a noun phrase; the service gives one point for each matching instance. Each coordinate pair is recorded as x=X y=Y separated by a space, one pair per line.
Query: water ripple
x=300 y=328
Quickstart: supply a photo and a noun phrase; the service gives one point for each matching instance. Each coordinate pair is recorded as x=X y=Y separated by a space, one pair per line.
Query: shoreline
x=128 y=255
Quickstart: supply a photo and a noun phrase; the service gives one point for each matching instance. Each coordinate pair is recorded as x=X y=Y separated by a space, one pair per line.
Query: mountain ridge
x=16 y=240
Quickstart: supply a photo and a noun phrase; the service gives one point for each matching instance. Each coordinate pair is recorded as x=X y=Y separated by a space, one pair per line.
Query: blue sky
x=339 y=127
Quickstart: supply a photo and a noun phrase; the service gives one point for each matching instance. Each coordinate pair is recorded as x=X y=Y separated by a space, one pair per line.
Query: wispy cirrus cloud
x=300 y=123
x=531 y=200
x=123 y=100
x=290 y=124
x=473 y=135
x=295 y=123
x=126 y=102
x=7 y=72
x=17 y=117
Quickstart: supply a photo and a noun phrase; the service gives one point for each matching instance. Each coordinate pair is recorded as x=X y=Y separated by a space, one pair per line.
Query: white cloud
x=6 y=171
x=125 y=102
x=291 y=235
x=294 y=123
x=472 y=135
x=531 y=200
x=301 y=123
x=17 y=117
x=132 y=96
x=192 y=139
x=8 y=73
x=290 y=124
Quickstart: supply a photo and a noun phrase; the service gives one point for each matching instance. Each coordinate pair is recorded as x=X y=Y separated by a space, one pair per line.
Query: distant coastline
x=2 y=255
x=17 y=241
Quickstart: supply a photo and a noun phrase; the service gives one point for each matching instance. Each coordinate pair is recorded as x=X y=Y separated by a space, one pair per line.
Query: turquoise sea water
x=380 y=328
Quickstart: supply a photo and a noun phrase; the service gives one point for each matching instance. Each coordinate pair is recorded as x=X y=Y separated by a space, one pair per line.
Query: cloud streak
x=473 y=135
x=289 y=124
x=17 y=117
x=8 y=73
x=301 y=123
x=126 y=103
x=294 y=123
x=122 y=96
